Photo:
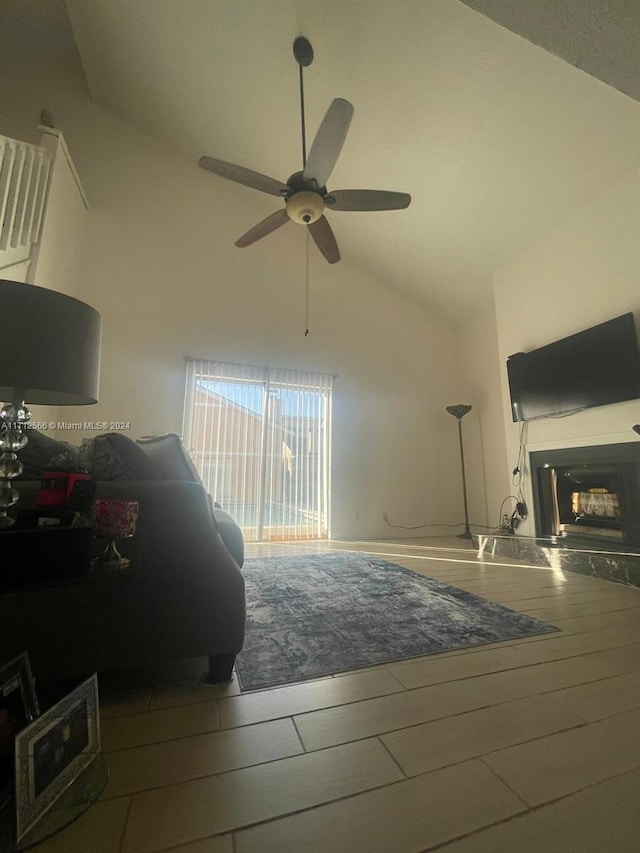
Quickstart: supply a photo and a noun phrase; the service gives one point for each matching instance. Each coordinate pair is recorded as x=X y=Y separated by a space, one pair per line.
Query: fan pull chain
x=306 y=292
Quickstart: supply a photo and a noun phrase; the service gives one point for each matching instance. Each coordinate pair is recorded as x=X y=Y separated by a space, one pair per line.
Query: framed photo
x=18 y=708
x=52 y=751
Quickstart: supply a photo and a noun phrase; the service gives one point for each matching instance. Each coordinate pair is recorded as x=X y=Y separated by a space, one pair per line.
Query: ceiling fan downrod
x=303 y=53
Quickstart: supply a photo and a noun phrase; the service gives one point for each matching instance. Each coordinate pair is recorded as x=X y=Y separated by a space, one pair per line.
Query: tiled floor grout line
x=564 y=619
x=545 y=581
x=404 y=689
x=517 y=816
x=580 y=723
x=377 y=737
x=582 y=653
x=469 y=835
x=558 y=799
x=481 y=758
x=393 y=758
x=524 y=665
x=174 y=739
x=551 y=590
x=534 y=611
x=298 y=735
x=472 y=710
x=126 y=823
x=293 y=813
x=180 y=845
x=521 y=604
x=549 y=693
x=453 y=716
x=527 y=808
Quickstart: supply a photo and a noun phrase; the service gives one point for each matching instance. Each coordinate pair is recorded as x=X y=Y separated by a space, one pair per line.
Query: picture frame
x=53 y=750
x=18 y=708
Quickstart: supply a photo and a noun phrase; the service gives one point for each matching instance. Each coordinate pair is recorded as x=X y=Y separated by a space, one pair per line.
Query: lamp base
x=114 y=565
x=465 y=535
x=112 y=559
x=14 y=420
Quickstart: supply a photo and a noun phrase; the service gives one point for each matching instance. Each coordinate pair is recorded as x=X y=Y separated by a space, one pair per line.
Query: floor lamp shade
x=49 y=347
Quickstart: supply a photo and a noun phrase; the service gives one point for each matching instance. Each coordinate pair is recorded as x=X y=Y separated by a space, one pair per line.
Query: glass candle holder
x=112 y=519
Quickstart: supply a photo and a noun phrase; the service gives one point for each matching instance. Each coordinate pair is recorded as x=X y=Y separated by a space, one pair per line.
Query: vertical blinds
x=260 y=438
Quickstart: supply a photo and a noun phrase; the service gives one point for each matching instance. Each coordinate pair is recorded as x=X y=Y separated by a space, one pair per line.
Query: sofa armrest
x=174 y=515
x=231 y=534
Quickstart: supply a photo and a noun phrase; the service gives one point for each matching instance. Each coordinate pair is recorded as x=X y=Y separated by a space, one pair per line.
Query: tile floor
x=528 y=745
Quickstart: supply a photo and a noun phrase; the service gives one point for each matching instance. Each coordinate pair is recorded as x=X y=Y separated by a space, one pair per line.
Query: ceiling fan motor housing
x=305 y=207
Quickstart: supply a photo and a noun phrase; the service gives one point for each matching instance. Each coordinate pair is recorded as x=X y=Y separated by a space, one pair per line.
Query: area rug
x=312 y=615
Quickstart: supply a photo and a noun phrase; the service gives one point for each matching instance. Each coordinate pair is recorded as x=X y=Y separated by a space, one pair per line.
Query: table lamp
x=49 y=355
x=114 y=518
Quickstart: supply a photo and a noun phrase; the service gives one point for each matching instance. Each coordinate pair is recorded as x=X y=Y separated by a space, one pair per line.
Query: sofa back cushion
x=39 y=452
x=169 y=456
x=114 y=456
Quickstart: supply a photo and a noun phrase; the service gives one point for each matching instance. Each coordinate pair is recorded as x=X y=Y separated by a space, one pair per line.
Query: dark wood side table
x=44 y=555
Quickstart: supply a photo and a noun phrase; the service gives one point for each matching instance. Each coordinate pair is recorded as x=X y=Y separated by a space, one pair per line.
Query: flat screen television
x=598 y=366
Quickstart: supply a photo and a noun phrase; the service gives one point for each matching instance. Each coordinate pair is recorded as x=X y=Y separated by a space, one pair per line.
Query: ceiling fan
x=305 y=192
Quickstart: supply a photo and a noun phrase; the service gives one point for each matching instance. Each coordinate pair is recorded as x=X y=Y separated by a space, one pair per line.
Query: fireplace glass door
x=588 y=496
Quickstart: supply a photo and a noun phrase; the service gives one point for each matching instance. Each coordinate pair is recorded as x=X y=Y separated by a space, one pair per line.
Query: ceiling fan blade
x=328 y=142
x=324 y=239
x=367 y=200
x=273 y=221
x=243 y=176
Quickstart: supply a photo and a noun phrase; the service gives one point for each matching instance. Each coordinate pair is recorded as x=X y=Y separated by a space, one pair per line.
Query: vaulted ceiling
x=497 y=140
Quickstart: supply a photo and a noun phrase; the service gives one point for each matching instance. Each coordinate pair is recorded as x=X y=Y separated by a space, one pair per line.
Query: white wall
x=160 y=265
x=581 y=274
x=488 y=485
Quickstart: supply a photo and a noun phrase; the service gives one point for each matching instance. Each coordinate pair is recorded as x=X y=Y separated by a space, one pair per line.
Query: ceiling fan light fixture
x=305 y=207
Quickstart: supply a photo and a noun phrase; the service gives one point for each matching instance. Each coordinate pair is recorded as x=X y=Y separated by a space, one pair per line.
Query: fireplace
x=588 y=497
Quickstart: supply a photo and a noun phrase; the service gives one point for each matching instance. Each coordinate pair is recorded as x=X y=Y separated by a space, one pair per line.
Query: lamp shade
x=114 y=518
x=459 y=411
x=49 y=347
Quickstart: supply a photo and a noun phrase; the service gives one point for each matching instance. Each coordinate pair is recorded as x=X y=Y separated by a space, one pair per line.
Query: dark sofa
x=183 y=598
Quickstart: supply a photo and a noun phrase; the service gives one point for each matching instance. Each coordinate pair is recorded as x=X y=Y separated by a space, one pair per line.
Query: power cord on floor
x=389 y=523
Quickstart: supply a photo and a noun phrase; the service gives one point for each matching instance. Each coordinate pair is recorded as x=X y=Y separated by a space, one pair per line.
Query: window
x=260 y=438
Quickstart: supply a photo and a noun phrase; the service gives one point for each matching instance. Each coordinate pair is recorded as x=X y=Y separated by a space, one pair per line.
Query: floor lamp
x=50 y=355
x=458 y=413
